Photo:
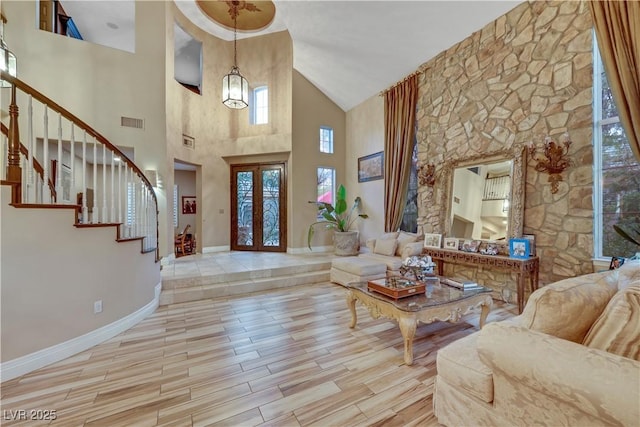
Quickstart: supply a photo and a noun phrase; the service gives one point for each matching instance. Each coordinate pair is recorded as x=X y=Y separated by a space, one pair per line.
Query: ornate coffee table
x=440 y=302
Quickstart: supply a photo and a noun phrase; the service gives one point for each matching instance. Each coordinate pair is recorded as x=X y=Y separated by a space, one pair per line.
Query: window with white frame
x=326 y=185
x=616 y=172
x=326 y=139
x=259 y=106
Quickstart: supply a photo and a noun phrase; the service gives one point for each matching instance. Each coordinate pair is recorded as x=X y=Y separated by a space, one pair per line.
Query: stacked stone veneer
x=524 y=76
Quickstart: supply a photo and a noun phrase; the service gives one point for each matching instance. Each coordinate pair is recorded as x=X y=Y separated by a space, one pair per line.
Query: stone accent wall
x=524 y=76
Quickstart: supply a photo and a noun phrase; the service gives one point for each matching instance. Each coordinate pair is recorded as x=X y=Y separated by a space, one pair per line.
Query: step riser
x=220 y=290
x=186 y=282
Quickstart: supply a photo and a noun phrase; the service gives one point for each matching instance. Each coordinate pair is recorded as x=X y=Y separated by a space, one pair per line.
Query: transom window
x=326 y=139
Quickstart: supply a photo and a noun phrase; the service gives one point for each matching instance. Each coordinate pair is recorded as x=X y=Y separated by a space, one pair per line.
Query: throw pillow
x=404 y=239
x=389 y=236
x=385 y=247
x=617 y=330
x=628 y=273
x=567 y=308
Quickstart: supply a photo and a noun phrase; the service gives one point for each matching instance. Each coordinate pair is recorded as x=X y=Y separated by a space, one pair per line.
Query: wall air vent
x=129 y=122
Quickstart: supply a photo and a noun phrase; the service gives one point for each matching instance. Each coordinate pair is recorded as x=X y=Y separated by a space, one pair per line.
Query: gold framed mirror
x=484 y=196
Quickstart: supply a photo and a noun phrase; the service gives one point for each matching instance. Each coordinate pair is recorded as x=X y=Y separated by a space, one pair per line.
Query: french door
x=258 y=207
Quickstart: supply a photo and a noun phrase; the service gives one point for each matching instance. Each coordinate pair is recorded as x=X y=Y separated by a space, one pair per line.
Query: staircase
x=80 y=259
x=64 y=163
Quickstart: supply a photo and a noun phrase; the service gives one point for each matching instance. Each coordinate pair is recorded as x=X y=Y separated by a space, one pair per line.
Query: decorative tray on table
x=396 y=287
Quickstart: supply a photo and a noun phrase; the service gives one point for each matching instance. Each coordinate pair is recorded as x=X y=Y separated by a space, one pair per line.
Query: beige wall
x=312 y=109
x=224 y=136
x=526 y=75
x=53 y=272
x=365 y=135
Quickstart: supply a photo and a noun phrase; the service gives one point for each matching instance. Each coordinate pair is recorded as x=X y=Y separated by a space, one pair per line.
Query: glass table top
x=435 y=294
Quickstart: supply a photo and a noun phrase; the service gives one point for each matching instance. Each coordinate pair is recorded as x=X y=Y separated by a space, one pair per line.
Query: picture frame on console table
x=532 y=243
x=451 y=243
x=519 y=248
x=432 y=240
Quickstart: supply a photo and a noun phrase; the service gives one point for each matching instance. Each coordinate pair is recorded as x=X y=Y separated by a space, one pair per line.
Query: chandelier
x=235 y=88
x=7 y=58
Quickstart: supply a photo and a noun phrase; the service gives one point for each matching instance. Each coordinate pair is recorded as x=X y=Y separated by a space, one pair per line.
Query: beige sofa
x=570 y=359
x=393 y=248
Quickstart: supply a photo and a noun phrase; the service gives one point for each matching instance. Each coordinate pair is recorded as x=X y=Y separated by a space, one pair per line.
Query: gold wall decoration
x=427 y=174
x=553 y=160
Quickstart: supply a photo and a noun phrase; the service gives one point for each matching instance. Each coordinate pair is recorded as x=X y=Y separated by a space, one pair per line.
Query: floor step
x=198 y=288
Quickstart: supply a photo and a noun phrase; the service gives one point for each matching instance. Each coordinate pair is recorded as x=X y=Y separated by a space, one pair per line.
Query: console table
x=525 y=268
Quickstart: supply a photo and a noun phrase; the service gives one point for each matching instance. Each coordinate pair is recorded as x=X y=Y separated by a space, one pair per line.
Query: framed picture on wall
x=188 y=205
x=371 y=167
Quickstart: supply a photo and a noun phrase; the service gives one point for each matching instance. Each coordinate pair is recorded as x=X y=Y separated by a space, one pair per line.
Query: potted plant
x=340 y=218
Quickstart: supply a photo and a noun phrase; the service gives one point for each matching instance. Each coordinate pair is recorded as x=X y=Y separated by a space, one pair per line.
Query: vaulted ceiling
x=350 y=50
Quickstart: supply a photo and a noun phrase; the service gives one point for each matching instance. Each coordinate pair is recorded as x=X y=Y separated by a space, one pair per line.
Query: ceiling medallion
x=249 y=15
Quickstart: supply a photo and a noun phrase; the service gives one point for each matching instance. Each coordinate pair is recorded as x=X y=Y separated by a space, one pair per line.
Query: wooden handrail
x=36 y=164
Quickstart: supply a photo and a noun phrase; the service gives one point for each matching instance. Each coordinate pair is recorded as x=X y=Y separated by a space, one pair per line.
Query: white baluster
x=85 y=210
x=72 y=164
x=105 y=218
x=59 y=168
x=31 y=198
x=113 y=189
x=95 y=216
x=46 y=191
x=120 y=192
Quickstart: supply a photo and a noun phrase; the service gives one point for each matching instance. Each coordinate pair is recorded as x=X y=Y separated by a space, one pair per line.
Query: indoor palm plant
x=340 y=219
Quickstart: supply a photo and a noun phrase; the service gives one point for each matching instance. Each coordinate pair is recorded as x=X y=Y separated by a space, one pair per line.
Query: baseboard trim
x=307 y=251
x=211 y=249
x=41 y=358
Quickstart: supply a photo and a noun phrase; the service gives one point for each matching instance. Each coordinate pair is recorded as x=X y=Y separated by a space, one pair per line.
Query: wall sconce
x=555 y=159
x=427 y=174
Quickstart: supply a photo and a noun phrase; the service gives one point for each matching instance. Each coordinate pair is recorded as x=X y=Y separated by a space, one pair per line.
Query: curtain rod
x=382 y=93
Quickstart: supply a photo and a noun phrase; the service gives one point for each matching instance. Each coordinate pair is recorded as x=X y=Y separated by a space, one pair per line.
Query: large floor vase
x=346 y=243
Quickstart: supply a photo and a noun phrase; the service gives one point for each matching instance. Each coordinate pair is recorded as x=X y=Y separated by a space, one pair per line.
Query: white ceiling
x=350 y=50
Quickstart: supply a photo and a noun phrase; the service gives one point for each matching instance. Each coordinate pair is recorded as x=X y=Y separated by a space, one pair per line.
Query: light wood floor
x=284 y=358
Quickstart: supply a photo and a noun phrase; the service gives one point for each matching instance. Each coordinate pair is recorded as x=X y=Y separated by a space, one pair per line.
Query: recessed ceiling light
x=112 y=25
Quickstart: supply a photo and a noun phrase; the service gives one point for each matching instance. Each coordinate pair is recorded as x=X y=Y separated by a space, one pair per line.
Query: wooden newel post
x=14 y=172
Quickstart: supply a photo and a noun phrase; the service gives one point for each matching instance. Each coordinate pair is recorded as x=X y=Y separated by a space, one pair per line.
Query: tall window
x=616 y=172
x=326 y=185
x=326 y=139
x=259 y=107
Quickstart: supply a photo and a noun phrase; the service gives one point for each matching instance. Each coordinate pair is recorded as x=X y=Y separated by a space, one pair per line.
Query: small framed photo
x=616 y=262
x=489 y=248
x=451 y=243
x=371 y=167
x=470 y=245
x=532 y=243
x=519 y=248
x=188 y=205
x=432 y=240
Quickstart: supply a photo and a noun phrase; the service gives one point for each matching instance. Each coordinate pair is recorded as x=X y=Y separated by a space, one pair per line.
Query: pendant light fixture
x=7 y=58
x=235 y=88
